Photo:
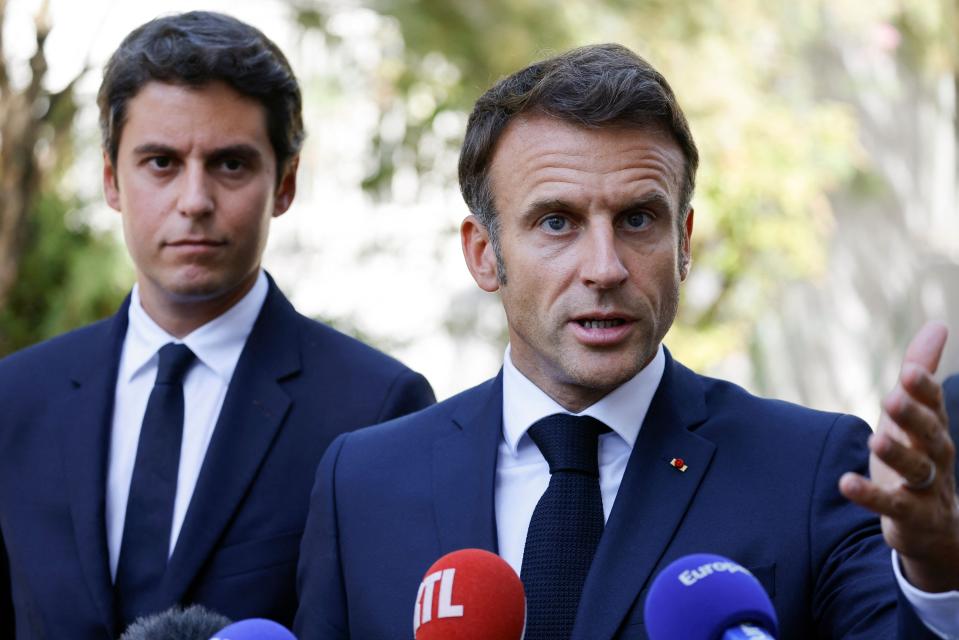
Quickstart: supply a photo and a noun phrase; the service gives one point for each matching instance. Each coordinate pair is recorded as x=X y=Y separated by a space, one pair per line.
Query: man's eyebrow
x=154 y=148
x=244 y=151
x=651 y=200
x=241 y=150
x=539 y=207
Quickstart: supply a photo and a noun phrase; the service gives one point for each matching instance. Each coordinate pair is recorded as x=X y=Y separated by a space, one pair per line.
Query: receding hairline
x=677 y=171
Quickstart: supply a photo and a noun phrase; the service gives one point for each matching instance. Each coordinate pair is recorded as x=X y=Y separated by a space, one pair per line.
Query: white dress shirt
x=522 y=473
x=217 y=346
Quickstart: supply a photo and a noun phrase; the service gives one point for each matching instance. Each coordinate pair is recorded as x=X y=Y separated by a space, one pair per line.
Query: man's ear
x=286 y=190
x=111 y=190
x=479 y=254
x=685 y=248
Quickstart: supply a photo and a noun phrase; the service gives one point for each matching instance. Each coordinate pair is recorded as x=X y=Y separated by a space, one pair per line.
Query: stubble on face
x=589 y=233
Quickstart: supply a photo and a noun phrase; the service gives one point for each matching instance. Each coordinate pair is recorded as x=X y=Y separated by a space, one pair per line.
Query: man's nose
x=602 y=266
x=196 y=195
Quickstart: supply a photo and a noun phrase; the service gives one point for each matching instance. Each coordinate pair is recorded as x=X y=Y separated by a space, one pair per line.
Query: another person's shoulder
x=951 y=387
x=345 y=368
x=367 y=462
x=418 y=431
x=40 y=360
x=323 y=343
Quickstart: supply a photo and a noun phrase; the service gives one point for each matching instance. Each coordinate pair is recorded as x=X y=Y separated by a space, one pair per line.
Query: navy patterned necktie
x=566 y=526
x=144 y=549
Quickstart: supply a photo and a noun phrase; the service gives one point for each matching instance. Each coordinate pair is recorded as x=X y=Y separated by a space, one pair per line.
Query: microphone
x=470 y=594
x=192 y=623
x=708 y=597
x=254 y=629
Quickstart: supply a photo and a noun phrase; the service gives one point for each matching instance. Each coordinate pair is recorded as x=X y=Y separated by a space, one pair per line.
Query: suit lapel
x=464 y=467
x=253 y=410
x=85 y=418
x=650 y=504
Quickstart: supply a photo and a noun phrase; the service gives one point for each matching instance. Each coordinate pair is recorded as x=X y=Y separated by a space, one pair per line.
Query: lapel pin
x=678 y=463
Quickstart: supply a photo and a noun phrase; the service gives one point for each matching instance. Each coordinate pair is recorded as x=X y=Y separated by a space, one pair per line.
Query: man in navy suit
x=594 y=459
x=165 y=455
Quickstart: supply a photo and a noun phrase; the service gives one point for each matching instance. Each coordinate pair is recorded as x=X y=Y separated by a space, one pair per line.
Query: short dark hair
x=194 y=49
x=594 y=86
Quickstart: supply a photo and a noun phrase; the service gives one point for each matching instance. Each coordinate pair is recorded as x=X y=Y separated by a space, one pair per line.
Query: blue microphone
x=254 y=629
x=708 y=597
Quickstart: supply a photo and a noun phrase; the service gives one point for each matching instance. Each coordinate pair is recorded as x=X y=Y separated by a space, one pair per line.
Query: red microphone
x=470 y=594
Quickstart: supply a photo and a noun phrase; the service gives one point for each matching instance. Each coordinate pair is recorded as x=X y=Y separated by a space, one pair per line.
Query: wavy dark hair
x=197 y=48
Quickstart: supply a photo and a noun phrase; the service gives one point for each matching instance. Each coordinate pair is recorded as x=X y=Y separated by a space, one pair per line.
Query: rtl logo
x=423 y=610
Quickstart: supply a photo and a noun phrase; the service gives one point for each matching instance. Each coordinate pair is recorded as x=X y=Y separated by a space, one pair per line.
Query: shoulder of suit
x=61 y=349
x=425 y=421
x=323 y=343
x=31 y=376
x=727 y=399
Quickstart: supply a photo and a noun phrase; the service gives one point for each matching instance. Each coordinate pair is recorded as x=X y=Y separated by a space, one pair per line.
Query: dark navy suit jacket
x=298 y=384
x=761 y=488
x=951 y=389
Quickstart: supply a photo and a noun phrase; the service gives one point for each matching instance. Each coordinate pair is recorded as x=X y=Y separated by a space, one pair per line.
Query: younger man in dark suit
x=165 y=455
x=594 y=459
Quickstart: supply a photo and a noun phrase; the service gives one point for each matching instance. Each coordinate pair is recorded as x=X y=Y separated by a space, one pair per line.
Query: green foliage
x=771 y=149
x=69 y=276
x=59 y=273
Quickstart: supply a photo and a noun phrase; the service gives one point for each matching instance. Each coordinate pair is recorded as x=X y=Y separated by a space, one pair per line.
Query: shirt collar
x=622 y=410
x=217 y=344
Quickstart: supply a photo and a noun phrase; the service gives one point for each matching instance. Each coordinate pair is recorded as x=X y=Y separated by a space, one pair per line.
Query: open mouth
x=600 y=324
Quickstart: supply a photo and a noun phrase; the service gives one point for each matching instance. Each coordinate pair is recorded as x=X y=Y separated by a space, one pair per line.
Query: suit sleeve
x=322 y=612
x=409 y=392
x=855 y=592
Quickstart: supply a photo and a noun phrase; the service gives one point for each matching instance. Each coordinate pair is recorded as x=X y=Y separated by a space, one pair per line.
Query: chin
x=199 y=288
x=603 y=379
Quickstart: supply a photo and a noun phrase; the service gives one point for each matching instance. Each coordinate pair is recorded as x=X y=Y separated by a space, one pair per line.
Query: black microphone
x=708 y=597
x=193 y=623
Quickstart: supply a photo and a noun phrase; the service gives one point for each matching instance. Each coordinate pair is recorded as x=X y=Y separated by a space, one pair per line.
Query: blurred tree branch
x=55 y=273
x=20 y=131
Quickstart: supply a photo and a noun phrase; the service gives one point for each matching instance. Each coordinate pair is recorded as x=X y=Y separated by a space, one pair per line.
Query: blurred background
x=827 y=206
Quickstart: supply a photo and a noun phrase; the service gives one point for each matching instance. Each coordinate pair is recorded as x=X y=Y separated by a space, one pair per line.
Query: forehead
x=541 y=157
x=212 y=114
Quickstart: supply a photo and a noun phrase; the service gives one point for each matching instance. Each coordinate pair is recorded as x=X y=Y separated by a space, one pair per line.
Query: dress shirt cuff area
x=938 y=611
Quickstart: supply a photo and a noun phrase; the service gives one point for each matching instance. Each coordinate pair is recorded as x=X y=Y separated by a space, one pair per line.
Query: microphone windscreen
x=193 y=623
x=470 y=594
x=254 y=629
x=700 y=596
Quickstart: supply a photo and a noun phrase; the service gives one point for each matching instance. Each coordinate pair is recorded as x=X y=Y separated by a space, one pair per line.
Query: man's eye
x=637 y=220
x=555 y=223
x=161 y=162
x=233 y=165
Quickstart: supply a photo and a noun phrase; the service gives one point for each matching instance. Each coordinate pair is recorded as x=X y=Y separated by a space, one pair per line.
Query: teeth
x=600 y=324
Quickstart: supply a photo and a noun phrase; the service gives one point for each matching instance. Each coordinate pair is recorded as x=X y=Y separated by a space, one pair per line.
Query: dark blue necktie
x=145 y=546
x=566 y=525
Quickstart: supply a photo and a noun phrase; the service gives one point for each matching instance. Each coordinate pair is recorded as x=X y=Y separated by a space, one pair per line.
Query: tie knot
x=175 y=360
x=569 y=443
